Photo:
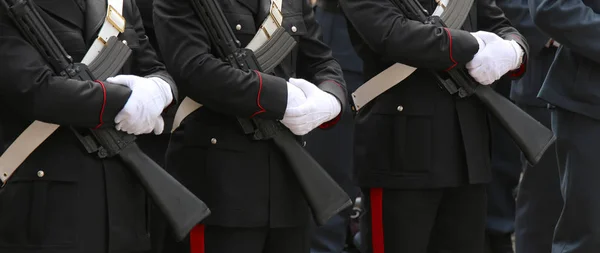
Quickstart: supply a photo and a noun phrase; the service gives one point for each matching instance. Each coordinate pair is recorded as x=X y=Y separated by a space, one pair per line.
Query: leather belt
x=452 y=13
x=268 y=29
x=38 y=131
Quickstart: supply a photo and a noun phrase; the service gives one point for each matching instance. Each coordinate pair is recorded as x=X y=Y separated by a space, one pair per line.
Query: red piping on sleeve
x=521 y=70
x=377 y=220
x=258 y=96
x=103 y=104
x=335 y=120
x=454 y=63
x=197 y=239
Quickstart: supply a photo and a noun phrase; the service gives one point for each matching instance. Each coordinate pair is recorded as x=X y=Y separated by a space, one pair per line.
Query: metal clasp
x=115 y=19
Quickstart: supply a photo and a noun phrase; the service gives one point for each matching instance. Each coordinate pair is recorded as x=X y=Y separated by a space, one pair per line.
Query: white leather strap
x=38 y=131
x=273 y=21
x=389 y=77
x=114 y=23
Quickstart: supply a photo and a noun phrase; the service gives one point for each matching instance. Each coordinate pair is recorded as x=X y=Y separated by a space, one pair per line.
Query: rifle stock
x=182 y=208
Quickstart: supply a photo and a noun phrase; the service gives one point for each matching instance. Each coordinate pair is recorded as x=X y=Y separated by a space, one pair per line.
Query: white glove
x=319 y=108
x=296 y=96
x=142 y=112
x=495 y=58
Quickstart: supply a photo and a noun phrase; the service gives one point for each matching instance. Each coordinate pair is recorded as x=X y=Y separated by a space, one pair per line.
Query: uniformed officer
x=63 y=199
x=422 y=155
x=539 y=202
x=255 y=199
x=572 y=87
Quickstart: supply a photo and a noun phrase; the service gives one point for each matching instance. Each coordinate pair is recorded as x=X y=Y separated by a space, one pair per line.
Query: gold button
x=294 y=29
x=40 y=173
x=238 y=27
x=400 y=108
x=213 y=141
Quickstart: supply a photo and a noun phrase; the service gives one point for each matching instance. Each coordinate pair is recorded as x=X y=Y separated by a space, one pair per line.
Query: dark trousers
x=215 y=239
x=448 y=220
x=578 y=151
x=539 y=201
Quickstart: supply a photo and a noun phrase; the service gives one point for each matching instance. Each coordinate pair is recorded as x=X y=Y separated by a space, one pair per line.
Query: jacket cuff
x=518 y=73
x=271 y=99
x=115 y=97
x=462 y=47
x=338 y=91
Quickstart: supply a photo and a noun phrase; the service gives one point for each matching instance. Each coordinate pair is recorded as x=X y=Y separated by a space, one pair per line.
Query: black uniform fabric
x=245 y=183
x=424 y=221
x=217 y=239
x=416 y=135
x=79 y=203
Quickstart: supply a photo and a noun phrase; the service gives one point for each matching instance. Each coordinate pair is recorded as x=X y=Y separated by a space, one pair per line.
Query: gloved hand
x=142 y=112
x=495 y=58
x=318 y=108
x=296 y=96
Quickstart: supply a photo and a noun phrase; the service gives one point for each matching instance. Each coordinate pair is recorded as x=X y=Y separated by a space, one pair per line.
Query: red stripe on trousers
x=197 y=239
x=377 y=220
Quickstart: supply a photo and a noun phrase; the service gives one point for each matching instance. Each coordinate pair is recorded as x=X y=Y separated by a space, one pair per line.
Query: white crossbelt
x=273 y=21
x=389 y=77
x=38 y=131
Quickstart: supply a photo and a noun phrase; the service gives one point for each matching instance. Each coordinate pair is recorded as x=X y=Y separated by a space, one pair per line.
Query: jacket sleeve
x=145 y=59
x=492 y=19
x=517 y=11
x=389 y=33
x=30 y=88
x=570 y=22
x=187 y=53
x=317 y=65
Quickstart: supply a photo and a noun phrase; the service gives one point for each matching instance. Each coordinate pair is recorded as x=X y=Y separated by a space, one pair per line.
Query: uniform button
x=40 y=173
x=238 y=27
x=124 y=42
x=213 y=141
x=400 y=108
x=294 y=29
x=304 y=144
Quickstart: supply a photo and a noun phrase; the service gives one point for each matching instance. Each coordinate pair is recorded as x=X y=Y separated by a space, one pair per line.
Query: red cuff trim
x=521 y=70
x=335 y=120
x=103 y=104
x=376 y=200
x=454 y=63
x=197 y=239
x=258 y=96
x=332 y=122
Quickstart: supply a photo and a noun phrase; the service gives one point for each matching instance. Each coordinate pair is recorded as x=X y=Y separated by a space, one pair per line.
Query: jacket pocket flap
x=241 y=23
x=294 y=24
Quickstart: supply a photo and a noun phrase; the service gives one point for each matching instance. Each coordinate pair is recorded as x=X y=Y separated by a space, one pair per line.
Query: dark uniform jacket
x=525 y=90
x=62 y=198
x=572 y=81
x=245 y=183
x=416 y=135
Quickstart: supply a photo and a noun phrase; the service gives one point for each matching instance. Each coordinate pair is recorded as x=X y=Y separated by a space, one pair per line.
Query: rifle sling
x=105 y=58
x=452 y=12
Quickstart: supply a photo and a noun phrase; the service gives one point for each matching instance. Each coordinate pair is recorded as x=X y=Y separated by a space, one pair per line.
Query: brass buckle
x=273 y=8
x=439 y=2
x=266 y=32
x=112 y=10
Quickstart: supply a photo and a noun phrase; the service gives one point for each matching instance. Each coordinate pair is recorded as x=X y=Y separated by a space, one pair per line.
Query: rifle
x=529 y=135
x=181 y=207
x=325 y=197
